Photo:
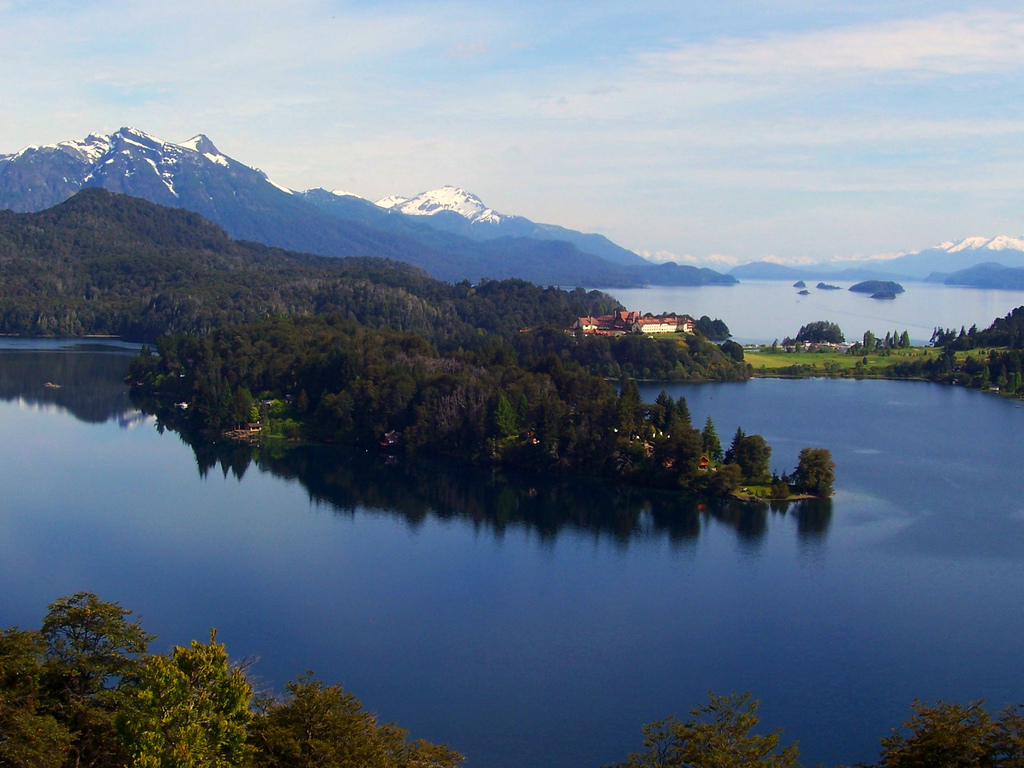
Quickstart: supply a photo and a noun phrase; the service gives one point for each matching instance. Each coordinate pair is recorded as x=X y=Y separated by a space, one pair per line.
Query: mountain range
x=196 y=176
x=973 y=261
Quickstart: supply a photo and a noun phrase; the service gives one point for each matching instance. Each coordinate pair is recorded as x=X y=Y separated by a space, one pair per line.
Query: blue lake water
x=760 y=311
x=531 y=621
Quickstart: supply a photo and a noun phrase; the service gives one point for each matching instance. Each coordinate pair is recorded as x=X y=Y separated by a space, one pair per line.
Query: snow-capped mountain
x=128 y=161
x=1000 y=243
x=196 y=176
x=453 y=209
x=955 y=255
x=447 y=198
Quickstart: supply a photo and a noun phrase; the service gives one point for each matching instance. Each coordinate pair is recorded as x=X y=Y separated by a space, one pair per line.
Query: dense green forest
x=1005 y=332
x=110 y=264
x=84 y=691
x=537 y=405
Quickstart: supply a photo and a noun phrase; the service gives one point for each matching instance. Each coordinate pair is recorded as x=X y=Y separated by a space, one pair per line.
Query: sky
x=705 y=131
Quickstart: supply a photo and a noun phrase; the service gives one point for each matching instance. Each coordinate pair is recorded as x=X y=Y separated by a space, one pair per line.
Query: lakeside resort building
x=623 y=322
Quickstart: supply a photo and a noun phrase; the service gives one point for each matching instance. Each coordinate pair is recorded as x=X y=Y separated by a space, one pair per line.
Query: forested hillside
x=111 y=264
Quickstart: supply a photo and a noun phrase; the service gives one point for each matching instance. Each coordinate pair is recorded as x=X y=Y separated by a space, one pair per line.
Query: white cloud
x=466 y=51
x=665 y=257
x=946 y=44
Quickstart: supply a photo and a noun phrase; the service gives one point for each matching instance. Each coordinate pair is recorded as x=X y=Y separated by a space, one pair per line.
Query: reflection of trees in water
x=90 y=383
x=349 y=481
x=813 y=519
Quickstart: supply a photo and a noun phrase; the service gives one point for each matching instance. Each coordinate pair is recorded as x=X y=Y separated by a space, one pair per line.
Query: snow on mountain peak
x=345 y=193
x=89 y=150
x=391 y=201
x=201 y=143
x=139 y=138
x=447 y=198
x=1000 y=243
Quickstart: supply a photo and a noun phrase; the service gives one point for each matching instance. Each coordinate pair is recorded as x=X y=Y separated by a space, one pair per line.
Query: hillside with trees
x=111 y=264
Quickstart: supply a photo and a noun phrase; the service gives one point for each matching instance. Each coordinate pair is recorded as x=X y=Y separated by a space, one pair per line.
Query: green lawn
x=835 y=360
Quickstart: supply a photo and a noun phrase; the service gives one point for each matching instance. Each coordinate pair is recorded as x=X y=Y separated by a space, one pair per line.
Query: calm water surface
x=538 y=622
x=759 y=311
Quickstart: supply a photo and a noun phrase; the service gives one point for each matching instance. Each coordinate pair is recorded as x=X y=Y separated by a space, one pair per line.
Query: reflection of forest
x=89 y=381
x=349 y=480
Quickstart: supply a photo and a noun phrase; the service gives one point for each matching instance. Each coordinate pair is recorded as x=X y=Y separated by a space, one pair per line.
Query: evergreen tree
x=712 y=445
x=505 y=417
x=737 y=440
x=683 y=411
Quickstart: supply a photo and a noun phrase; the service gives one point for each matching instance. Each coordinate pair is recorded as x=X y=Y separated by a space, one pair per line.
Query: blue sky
x=716 y=132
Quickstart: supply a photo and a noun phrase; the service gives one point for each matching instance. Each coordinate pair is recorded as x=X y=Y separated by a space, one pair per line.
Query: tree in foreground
x=956 y=736
x=717 y=735
x=815 y=472
x=28 y=736
x=190 y=709
x=323 y=726
x=93 y=657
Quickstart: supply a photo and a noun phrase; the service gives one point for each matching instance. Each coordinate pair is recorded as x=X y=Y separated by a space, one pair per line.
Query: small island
x=878 y=286
x=804 y=292
x=885 y=295
x=827 y=287
x=799 y=284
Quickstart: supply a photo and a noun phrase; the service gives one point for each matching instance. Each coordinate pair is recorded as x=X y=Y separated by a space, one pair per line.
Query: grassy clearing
x=765 y=363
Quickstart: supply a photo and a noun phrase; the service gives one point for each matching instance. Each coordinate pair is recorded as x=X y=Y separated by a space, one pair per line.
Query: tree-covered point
x=818 y=332
x=1007 y=332
x=330 y=380
x=716 y=329
x=84 y=692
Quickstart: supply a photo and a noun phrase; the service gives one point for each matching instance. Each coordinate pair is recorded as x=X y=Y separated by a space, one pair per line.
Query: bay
x=761 y=311
x=539 y=621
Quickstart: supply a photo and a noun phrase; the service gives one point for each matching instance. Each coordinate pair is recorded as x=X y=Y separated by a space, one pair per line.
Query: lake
x=532 y=621
x=760 y=311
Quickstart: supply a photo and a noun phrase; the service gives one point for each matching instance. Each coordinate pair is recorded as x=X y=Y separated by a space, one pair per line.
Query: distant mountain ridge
x=988 y=275
x=453 y=209
x=196 y=176
x=933 y=264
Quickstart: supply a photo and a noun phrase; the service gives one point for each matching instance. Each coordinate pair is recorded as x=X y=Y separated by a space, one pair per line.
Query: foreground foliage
x=85 y=692
x=717 y=735
x=721 y=734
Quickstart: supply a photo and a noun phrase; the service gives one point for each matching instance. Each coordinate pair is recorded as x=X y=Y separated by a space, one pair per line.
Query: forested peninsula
x=534 y=404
